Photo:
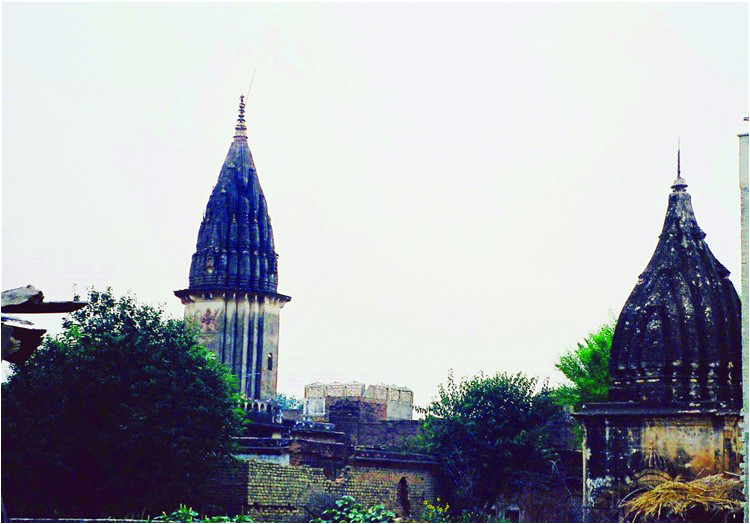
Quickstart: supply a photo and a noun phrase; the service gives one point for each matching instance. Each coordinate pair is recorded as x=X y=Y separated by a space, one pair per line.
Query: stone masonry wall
x=274 y=493
x=387 y=433
x=364 y=423
x=619 y=450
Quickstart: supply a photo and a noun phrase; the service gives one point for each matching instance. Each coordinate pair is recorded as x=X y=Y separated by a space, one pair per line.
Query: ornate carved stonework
x=674 y=404
x=208 y=321
x=678 y=336
x=232 y=295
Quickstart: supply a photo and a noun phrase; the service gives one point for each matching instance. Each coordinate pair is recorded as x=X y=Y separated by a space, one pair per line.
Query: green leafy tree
x=288 y=401
x=123 y=413
x=489 y=431
x=587 y=369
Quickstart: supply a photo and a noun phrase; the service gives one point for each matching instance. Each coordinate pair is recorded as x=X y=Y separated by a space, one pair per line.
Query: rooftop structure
x=398 y=402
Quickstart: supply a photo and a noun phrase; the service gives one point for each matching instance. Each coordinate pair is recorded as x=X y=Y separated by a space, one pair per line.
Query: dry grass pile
x=719 y=493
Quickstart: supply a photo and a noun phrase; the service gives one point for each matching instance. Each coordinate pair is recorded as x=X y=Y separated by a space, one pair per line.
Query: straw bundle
x=719 y=493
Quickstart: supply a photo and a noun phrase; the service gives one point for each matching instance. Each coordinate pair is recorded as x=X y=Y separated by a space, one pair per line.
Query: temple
x=674 y=404
x=232 y=294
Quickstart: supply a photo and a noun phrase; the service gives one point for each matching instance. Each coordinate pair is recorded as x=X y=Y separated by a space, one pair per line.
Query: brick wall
x=387 y=433
x=274 y=493
x=364 y=423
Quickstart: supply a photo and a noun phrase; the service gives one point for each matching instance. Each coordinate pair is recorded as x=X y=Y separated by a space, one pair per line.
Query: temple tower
x=674 y=404
x=232 y=293
x=678 y=336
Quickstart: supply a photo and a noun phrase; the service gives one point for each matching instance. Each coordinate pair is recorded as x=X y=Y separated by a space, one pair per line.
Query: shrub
x=349 y=510
x=486 y=430
x=434 y=512
x=437 y=513
x=187 y=514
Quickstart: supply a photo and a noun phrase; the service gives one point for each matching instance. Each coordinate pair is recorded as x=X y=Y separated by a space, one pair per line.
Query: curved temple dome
x=678 y=336
x=235 y=249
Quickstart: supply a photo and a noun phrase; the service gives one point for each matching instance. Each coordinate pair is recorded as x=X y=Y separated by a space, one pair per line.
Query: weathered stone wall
x=625 y=450
x=387 y=433
x=389 y=402
x=273 y=493
x=364 y=423
x=243 y=330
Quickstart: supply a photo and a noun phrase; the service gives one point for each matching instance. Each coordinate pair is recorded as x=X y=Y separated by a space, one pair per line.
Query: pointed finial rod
x=679 y=183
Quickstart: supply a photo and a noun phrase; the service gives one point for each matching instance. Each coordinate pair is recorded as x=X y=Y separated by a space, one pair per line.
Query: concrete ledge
x=665 y=409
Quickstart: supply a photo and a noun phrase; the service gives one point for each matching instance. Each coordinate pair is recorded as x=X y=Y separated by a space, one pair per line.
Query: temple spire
x=679 y=183
x=233 y=280
x=240 y=130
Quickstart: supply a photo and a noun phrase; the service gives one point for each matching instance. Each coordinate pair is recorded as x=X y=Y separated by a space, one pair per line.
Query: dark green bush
x=349 y=510
x=123 y=413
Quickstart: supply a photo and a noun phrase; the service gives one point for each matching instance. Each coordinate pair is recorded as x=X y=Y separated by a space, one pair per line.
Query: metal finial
x=241 y=129
x=241 y=117
x=679 y=183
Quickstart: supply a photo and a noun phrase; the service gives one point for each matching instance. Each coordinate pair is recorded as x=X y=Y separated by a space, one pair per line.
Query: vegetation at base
x=349 y=510
x=122 y=413
x=187 y=514
x=286 y=402
x=587 y=369
x=434 y=512
x=437 y=513
x=489 y=432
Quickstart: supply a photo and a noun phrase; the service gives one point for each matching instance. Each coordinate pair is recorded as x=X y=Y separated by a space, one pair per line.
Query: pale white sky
x=465 y=186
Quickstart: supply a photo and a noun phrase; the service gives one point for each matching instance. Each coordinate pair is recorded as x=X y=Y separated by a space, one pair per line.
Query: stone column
x=744 y=239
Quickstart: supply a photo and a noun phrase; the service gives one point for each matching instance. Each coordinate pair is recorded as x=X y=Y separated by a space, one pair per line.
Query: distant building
x=232 y=295
x=397 y=402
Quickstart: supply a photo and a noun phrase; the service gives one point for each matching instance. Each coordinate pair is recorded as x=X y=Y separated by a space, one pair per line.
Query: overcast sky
x=471 y=187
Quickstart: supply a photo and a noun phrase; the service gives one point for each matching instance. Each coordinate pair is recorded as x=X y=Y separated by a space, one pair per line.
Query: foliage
x=287 y=402
x=437 y=513
x=434 y=512
x=187 y=514
x=121 y=413
x=487 y=429
x=587 y=369
x=349 y=510
x=183 y=514
x=236 y=518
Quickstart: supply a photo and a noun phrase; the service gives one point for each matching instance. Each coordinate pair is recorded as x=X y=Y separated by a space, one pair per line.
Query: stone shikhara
x=233 y=295
x=674 y=406
x=290 y=468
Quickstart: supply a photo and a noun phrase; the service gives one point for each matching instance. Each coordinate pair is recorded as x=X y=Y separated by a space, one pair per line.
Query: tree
x=122 y=413
x=287 y=402
x=587 y=369
x=489 y=431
